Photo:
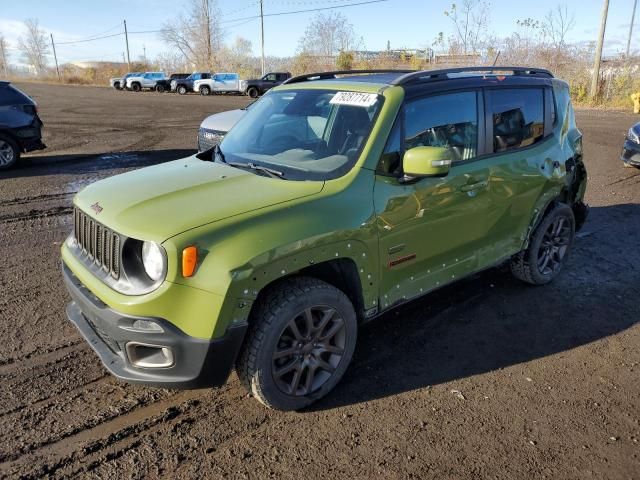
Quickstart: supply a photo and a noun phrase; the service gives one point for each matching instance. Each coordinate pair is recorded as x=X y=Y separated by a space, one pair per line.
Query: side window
x=271 y=78
x=449 y=120
x=518 y=117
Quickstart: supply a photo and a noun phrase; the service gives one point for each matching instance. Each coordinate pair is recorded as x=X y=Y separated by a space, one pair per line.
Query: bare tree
x=3 y=56
x=556 y=25
x=238 y=57
x=471 y=21
x=34 y=46
x=196 y=34
x=328 y=35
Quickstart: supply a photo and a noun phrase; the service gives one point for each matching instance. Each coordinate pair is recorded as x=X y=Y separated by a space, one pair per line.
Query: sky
x=405 y=23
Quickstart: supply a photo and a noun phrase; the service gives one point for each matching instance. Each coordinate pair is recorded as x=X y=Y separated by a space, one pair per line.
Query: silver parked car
x=220 y=83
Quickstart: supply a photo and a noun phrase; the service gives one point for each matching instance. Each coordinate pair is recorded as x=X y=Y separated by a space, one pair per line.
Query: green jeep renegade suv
x=337 y=197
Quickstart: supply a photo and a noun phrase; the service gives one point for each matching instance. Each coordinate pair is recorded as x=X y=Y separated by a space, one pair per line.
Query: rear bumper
x=29 y=138
x=631 y=153
x=195 y=363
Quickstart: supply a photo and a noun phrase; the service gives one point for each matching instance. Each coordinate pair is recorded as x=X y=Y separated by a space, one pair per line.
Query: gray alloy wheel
x=548 y=248
x=301 y=339
x=9 y=153
x=309 y=349
x=204 y=90
x=182 y=90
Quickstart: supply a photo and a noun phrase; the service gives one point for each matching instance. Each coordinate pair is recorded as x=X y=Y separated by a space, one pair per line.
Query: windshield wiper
x=269 y=171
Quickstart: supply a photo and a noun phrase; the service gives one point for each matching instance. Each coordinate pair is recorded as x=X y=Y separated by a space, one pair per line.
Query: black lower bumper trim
x=197 y=363
x=631 y=153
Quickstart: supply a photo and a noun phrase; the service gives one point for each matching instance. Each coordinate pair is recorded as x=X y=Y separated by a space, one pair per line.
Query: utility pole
x=598 y=59
x=144 y=52
x=4 y=61
x=207 y=15
x=55 y=57
x=262 y=30
x=124 y=60
x=633 y=17
x=126 y=38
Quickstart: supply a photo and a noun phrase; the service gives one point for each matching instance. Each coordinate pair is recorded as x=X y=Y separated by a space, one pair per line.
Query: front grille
x=209 y=138
x=100 y=244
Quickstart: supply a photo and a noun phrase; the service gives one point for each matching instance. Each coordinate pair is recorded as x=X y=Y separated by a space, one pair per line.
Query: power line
x=91 y=39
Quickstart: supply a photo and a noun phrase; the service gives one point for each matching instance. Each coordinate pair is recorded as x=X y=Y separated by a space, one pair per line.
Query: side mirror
x=427 y=162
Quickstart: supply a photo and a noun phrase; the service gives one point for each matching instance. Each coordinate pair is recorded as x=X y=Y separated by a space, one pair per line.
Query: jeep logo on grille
x=96 y=207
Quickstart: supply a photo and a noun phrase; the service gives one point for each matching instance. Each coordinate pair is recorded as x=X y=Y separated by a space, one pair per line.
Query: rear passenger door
x=520 y=160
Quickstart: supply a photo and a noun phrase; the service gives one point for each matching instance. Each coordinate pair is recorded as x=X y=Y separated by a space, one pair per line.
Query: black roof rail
x=428 y=75
x=335 y=73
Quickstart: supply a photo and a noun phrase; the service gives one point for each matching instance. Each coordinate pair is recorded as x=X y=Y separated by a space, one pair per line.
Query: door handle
x=474 y=186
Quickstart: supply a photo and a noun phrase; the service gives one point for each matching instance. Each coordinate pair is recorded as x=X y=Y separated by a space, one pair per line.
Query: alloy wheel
x=554 y=246
x=6 y=153
x=309 y=350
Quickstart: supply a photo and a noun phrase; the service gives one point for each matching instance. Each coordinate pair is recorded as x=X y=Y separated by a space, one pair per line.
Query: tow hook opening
x=149 y=356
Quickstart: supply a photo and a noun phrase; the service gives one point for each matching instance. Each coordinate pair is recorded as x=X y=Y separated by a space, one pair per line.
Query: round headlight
x=153 y=260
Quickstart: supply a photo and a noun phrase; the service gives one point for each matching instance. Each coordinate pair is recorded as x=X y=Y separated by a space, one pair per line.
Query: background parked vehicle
x=220 y=83
x=147 y=80
x=164 y=85
x=185 y=85
x=631 y=150
x=215 y=127
x=119 y=82
x=20 y=125
x=257 y=87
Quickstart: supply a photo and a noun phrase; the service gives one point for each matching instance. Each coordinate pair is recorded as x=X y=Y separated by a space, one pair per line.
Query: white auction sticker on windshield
x=356 y=99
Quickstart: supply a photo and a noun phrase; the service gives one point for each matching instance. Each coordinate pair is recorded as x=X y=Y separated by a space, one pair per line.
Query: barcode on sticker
x=356 y=99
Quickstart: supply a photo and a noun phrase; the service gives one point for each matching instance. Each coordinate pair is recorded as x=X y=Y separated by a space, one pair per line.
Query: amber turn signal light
x=189 y=261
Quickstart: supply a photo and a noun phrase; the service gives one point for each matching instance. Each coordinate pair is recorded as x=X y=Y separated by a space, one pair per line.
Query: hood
x=156 y=203
x=222 y=122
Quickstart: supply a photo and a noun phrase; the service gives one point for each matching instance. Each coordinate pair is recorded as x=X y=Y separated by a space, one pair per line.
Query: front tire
x=253 y=92
x=9 y=152
x=300 y=343
x=548 y=248
x=204 y=90
x=182 y=90
x=160 y=88
x=136 y=87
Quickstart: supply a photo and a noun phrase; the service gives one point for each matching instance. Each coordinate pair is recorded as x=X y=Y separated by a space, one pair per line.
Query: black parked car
x=261 y=85
x=165 y=85
x=20 y=126
x=185 y=85
x=631 y=150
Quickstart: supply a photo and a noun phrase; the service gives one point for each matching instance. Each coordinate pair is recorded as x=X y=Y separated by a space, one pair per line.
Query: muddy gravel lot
x=488 y=378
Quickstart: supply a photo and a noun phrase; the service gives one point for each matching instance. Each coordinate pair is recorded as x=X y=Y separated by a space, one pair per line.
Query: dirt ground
x=487 y=378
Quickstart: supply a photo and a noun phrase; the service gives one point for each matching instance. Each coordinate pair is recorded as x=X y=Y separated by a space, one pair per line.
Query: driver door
x=433 y=230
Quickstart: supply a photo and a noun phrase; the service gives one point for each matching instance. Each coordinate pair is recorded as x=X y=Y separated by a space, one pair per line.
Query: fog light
x=149 y=356
x=144 y=326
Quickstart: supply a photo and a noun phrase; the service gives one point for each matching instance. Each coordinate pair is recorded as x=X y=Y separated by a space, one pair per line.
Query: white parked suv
x=144 y=80
x=220 y=83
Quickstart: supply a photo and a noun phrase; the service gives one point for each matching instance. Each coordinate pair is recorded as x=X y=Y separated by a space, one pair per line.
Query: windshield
x=306 y=134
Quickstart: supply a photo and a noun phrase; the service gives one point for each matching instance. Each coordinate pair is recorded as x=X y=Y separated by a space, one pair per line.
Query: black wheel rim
x=6 y=153
x=309 y=350
x=554 y=246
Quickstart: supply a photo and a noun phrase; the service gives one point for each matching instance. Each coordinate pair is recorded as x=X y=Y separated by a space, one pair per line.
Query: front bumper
x=196 y=362
x=631 y=153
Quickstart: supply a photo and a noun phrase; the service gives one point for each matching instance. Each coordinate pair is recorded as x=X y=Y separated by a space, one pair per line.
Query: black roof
x=414 y=77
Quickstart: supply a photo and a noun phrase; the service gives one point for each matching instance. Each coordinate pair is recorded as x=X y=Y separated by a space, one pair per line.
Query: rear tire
x=204 y=90
x=9 y=152
x=300 y=343
x=253 y=92
x=548 y=249
x=136 y=87
x=160 y=88
x=182 y=90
